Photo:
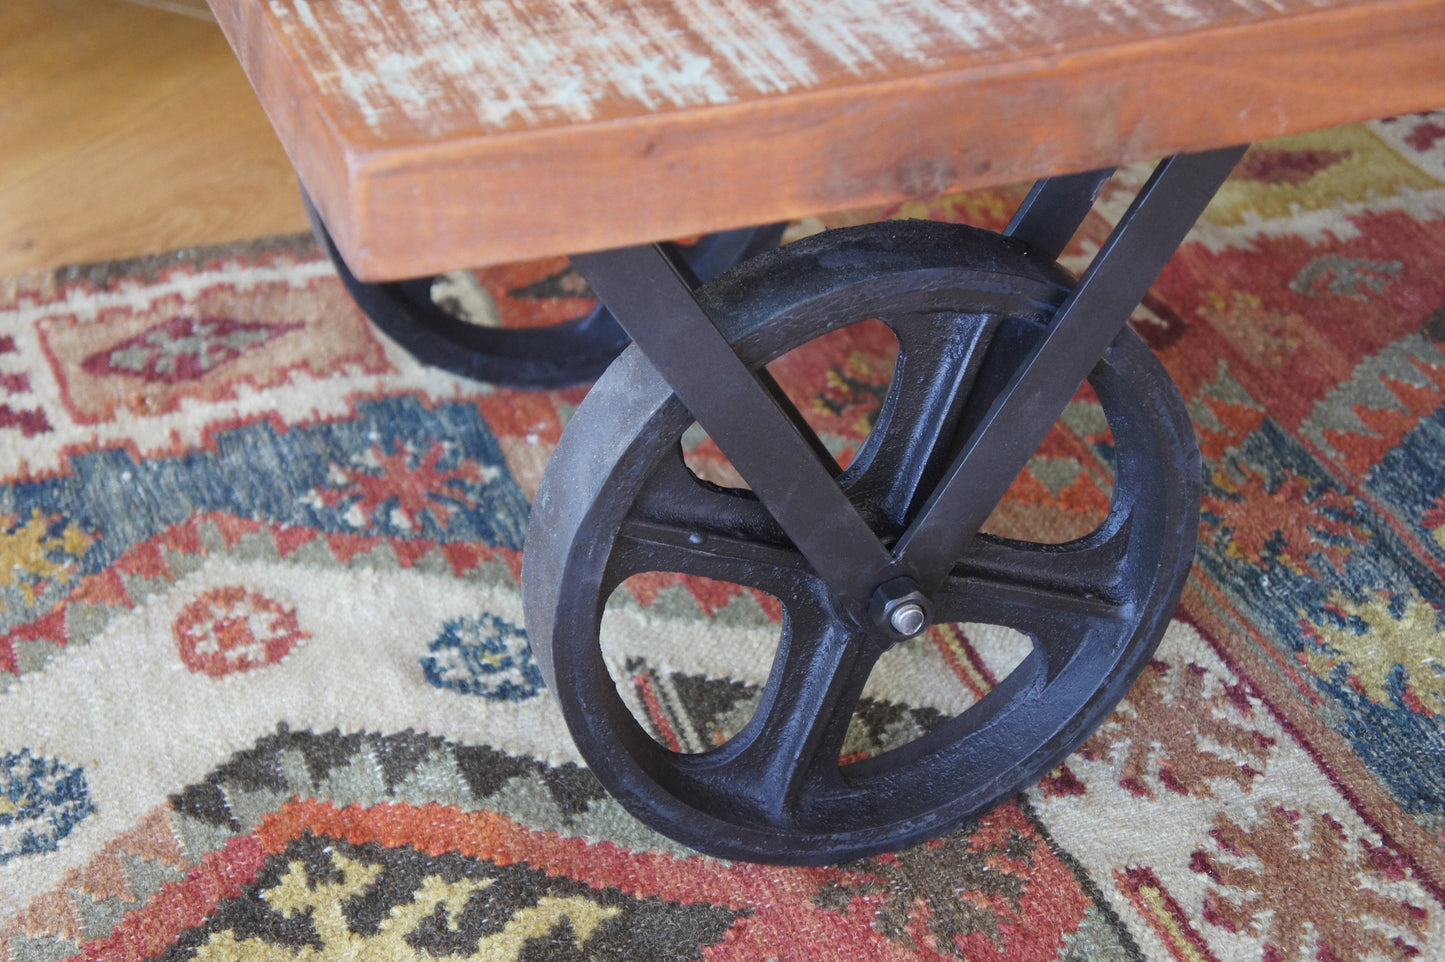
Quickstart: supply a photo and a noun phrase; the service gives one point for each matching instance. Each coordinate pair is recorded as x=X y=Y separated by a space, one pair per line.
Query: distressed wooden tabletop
x=437 y=134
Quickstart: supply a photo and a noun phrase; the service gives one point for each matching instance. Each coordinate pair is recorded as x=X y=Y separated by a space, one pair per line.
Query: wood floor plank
x=128 y=130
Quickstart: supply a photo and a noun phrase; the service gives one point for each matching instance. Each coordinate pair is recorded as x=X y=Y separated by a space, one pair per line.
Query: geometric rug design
x=266 y=691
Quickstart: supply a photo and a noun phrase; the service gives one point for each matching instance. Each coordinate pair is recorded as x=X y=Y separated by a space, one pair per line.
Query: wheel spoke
x=790 y=747
x=1090 y=570
x=912 y=441
x=684 y=524
x=1058 y=594
x=674 y=495
x=647 y=546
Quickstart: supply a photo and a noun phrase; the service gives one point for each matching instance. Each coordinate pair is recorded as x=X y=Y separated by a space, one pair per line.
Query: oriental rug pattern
x=267 y=692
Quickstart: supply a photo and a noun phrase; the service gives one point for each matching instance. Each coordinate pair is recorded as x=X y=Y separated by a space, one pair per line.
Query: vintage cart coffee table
x=437 y=134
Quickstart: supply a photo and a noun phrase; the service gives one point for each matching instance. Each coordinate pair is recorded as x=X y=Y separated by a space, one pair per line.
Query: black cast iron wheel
x=617 y=500
x=558 y=355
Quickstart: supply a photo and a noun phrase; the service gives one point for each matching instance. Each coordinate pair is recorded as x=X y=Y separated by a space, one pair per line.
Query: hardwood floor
x=126 y=129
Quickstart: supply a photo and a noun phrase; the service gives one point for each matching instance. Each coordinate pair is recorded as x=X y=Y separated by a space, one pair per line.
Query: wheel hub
x=900 y=609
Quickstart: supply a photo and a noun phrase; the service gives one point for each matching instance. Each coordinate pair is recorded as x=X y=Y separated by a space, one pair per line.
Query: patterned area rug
x=267 y=692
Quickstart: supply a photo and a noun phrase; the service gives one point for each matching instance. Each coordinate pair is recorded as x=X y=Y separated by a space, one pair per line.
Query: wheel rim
x=964 y=305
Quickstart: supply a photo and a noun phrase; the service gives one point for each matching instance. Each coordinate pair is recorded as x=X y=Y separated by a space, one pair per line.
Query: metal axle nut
x=908 y=619
x=900 y=609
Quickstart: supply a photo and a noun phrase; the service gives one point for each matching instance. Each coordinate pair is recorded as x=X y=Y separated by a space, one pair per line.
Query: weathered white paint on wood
x=428 y=68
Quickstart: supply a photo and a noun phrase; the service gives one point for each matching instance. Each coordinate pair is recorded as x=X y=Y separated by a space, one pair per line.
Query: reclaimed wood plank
x=436 y=134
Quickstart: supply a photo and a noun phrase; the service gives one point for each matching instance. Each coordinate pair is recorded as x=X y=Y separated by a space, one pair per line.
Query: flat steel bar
x=1052 y=212
x=1086 y=323
x=754 y=424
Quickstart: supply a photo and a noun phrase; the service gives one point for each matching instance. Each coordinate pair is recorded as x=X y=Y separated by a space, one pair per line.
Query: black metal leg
x=756 y=426
x=1092 y=316
x=1054 y=209
x=783 y=461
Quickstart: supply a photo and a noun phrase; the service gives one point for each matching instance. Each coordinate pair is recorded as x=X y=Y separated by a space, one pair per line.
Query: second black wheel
x=557 y=355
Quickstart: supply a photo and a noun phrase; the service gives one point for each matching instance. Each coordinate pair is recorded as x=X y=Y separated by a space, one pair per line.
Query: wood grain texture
x=126 y=131
x=436 y=135
x=422 y=70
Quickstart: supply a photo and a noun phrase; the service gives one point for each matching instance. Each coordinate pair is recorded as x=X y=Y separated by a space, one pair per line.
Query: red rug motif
x=267 y=692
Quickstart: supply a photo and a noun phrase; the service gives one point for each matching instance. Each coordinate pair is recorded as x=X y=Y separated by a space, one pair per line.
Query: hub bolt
x=908 y=619
x=900 y=609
